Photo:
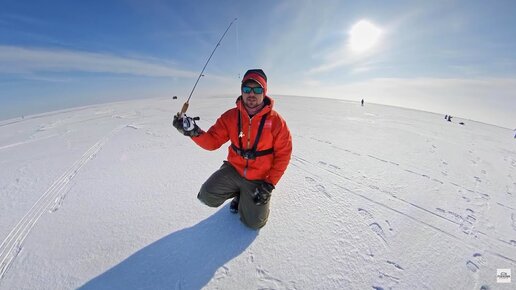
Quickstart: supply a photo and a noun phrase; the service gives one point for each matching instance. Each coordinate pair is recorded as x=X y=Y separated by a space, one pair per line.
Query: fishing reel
x=189 y=122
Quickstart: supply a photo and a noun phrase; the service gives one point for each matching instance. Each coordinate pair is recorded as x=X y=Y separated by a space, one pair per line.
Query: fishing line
x=186 y=104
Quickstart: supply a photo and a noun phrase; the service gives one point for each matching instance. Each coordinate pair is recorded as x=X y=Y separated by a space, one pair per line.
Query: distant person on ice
x=362 y=102
x=260 y=150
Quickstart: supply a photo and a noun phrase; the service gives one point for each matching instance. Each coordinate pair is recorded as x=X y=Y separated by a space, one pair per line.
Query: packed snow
x=375 y=197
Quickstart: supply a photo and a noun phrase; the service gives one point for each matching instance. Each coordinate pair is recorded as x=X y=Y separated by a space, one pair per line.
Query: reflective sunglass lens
x=257 y=90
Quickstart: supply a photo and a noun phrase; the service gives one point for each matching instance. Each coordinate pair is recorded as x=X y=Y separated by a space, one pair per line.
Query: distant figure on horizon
x=362 y=102
x=449 y=118
x=260 y=151
x=446 y=117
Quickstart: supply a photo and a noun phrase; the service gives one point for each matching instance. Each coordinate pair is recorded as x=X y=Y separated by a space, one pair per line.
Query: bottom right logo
x=503 y=275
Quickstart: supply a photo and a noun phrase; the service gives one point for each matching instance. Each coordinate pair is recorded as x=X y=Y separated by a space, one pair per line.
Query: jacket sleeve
x=282 y=153
x=215 y=137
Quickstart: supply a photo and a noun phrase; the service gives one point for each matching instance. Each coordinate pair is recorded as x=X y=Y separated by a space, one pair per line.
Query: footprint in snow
x=373 y=225
x=331 y=166
x=472 y=266
x=267 y=281
x=221 y=273
x=334 y=166
x=475 y=262
x=317 y=186
x=389 y=224
x=396 y=265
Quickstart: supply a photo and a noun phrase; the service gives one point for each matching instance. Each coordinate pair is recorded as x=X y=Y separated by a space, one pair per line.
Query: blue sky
x=449 y=57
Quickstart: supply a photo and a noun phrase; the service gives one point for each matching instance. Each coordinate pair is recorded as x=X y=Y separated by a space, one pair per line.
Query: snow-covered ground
x=375 y=197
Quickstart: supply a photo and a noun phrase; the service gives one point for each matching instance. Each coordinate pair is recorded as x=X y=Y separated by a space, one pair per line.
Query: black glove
x=186 y=125
x=262 y=193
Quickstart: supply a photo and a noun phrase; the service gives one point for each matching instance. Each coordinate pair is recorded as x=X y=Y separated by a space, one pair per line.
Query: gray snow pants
x=226 y=183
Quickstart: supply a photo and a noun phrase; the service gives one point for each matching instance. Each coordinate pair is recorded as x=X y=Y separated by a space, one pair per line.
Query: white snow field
x=375 y=197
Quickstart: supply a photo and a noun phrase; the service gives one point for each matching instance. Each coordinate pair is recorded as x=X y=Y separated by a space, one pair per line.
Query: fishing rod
x=186 y=104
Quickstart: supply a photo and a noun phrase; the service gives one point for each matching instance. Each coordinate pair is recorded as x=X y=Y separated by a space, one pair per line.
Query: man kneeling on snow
x=258 y=156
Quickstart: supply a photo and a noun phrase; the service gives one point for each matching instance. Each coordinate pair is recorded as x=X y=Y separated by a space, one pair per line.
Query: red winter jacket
x=275 y=135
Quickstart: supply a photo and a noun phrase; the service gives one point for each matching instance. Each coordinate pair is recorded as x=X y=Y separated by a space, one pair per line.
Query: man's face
x=252 y=99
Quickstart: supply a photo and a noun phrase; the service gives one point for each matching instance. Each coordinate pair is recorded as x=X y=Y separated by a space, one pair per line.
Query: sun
x=363 y=36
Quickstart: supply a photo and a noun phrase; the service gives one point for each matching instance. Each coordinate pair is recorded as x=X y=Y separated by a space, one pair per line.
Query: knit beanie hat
x=258 y=76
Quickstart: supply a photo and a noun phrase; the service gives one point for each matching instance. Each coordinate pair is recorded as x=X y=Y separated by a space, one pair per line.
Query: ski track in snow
x=393 y=204
x=50 y=201
x=27 y=142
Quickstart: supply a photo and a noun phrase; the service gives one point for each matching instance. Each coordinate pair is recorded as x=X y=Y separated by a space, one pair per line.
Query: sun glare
x=363 y=36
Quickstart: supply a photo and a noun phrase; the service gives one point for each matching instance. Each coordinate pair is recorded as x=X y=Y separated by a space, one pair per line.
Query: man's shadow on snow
x=186 y=259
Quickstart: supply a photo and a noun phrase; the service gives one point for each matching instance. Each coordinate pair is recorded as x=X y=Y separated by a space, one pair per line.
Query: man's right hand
x=186 y=125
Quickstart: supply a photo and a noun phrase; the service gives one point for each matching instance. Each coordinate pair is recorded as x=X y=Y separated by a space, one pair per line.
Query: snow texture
x=375 y=197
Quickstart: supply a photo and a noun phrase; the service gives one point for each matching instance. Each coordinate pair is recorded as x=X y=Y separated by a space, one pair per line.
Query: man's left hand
x=262 y=193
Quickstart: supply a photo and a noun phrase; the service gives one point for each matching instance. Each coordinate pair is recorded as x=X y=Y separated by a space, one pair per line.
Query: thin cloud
x=333 y=62
x=20 y=60
x=344 y=56
x=341 y=56
x=18 y=18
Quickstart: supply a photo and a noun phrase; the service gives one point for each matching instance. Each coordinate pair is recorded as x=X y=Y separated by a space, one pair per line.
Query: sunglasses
x=247 y=90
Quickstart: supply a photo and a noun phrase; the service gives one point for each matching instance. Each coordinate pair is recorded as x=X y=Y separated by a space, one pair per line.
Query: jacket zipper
x=248 y=144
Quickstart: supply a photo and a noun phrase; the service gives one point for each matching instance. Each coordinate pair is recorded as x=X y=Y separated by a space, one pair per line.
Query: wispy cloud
x=31 y=61
x=19 y=18
x=336 y=59
x=342 y=55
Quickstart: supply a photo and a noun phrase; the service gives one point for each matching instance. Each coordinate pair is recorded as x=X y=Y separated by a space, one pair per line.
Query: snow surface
x=375 y=197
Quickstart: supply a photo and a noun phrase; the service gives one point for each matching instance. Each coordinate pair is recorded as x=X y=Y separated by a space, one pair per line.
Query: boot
x=233 y=206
